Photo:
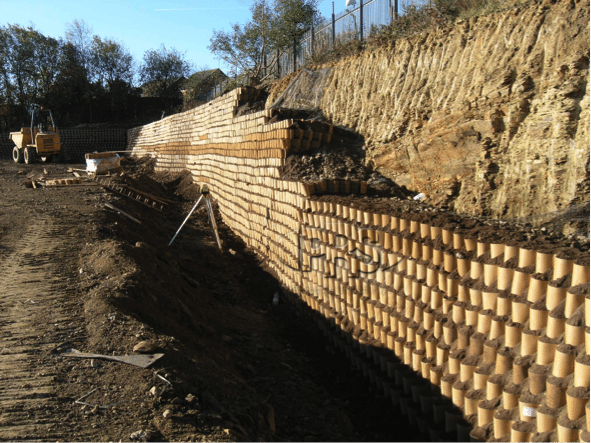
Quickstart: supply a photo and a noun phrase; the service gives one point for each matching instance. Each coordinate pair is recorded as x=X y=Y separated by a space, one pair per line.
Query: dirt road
x=236 y=367
x=40 y=240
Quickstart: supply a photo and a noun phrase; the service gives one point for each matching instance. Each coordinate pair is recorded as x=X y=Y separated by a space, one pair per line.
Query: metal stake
x=181 y=227
x=204 y=190
x=213 y=223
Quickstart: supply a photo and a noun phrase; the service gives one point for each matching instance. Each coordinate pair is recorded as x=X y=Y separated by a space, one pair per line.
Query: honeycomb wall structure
x=467 y=348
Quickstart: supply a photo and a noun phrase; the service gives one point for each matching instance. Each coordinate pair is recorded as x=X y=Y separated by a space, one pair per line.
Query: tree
x=78 y=34
x=68 y=94
x=245 y=46
x=52 y=72
x=275 y=27
x=28 y=62
x=292 y=19
x=110 y=62
x=48 y=53
x=161 y=72
x=108 y=65
x=6 y=86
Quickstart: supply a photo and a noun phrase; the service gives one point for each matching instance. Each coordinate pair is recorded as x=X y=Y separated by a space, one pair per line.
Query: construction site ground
x=235 y=366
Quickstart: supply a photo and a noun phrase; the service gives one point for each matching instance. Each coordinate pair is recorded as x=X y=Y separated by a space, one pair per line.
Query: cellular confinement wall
x=467 y=348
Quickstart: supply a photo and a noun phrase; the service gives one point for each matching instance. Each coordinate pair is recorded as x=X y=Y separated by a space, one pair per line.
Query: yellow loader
x=41 y=141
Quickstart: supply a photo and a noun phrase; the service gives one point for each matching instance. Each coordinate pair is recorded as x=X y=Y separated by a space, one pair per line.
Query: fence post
x=360 y=20
x=295 y=56
x=390 y=11
x=333 y=26
x=312 y=42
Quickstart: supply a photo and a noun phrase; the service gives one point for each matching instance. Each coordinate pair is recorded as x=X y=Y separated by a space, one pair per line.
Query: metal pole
x=361 y=20
x=333 y=25
x=185 y=221
x=396 y=9
x=390 y=10
x=312 y=41
x=295 y=59
x=213 y=223
x=264 y=44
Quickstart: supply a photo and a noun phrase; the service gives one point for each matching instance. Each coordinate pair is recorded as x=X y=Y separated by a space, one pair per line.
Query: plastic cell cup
x=562 y=267
x=447 y=236
x=567 y=432
x=526 y=257
x=580 y=274
x=544 y=262
x=536 y=290
x=497 y=250
x=510 y=252
x=435 y=232
x=575 y=404
x=505 y=278
x=545 y=422
x=529 y=343
x=458 y=240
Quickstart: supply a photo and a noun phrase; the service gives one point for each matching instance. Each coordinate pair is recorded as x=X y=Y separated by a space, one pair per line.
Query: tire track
x=34 y=318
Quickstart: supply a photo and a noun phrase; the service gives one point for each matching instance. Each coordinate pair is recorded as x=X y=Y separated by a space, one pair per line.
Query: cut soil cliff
x=489 y=116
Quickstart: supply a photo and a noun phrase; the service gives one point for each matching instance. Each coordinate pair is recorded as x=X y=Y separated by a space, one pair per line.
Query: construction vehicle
x=41 y=141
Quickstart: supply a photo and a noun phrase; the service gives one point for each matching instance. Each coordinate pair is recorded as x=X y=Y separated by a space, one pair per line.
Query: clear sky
x=141 y=24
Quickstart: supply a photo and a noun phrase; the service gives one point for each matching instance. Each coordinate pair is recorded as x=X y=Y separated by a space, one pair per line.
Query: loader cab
x=42 y=123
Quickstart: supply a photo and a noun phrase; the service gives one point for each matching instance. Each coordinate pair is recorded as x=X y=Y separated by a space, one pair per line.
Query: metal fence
x=354 y=23
x=221 y=87
x=351 y=24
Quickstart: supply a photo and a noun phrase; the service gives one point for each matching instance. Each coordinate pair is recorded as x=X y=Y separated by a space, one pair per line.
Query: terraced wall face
x=506 y=345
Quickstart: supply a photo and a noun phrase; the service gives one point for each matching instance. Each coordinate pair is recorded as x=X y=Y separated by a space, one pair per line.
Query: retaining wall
x=507 y=347
x=77 y=142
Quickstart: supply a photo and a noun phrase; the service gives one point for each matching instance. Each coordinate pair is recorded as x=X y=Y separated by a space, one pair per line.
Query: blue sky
x=143 y=24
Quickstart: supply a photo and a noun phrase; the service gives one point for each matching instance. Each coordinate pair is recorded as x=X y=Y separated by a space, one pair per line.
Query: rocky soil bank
x=489 y=116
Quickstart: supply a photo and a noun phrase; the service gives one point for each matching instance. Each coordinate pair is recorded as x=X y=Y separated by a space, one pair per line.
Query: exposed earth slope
x=488 y=116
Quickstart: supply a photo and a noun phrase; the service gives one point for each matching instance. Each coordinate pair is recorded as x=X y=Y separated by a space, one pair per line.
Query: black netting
x=305 y=91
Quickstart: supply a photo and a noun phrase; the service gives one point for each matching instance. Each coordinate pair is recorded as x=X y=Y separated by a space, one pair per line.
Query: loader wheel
x=17 y=155
x=29 y=155
x=56 y=158
x=46 y=159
